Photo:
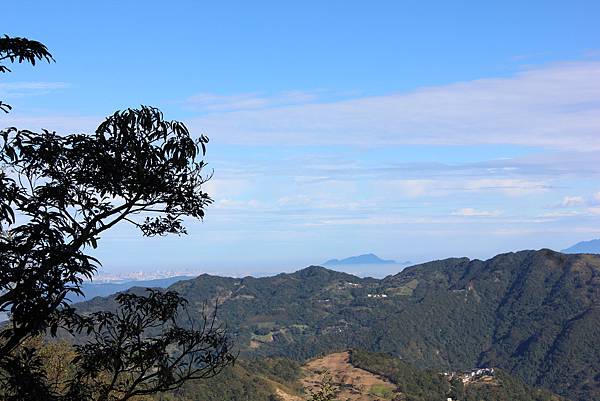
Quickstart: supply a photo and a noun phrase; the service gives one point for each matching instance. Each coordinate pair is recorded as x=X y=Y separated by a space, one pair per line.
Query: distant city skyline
x=412 y=130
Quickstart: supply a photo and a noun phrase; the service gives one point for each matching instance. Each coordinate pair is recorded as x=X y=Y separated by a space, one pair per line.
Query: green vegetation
x=326 y=390
x=247 y=380
x=426 y=385
x=413 y=383
x=532 y=314
x=382 y=391
x=259 y=379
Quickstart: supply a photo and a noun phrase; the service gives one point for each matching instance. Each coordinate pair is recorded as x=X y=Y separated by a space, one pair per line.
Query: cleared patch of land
x=353 y=384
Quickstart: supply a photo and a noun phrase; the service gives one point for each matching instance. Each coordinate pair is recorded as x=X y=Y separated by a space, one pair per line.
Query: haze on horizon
x=413 y=130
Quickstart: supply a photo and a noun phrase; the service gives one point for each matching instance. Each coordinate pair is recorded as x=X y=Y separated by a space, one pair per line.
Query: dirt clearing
x=354 y=384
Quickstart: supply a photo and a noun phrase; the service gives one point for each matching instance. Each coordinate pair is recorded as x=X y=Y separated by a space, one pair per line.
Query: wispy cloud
x=509 y=186
x=59 y=123
x=571 y=201
x=555 y=106
x=211 y=102
x=561 y=213
x=24 y=89
x=471 y=212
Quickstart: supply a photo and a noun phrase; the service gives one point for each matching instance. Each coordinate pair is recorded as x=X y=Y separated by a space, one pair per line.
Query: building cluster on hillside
x=376 y=295
x=481 y=374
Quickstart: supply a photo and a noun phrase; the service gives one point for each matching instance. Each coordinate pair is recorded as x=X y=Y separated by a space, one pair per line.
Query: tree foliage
x=137 y=168
x=20 y=50
x=147 y=345
x=326 y=390
x=58 y=194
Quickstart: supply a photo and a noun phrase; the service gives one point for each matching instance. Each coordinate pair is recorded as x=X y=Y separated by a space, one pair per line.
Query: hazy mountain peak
x=365 y=259
x=591 y=246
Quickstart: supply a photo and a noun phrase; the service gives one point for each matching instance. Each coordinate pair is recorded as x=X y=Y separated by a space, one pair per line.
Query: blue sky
x=412 y=129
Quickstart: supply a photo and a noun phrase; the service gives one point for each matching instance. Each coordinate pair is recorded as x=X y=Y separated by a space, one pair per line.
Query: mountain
x=592 y=246
x=533 y=314
x=92 y=290
x=366 y=259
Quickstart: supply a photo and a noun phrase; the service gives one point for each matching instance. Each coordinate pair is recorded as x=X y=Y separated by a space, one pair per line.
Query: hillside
x=415 y=384
x=264 y=379
x=352 y=383
x=356 y=376
x=533 y=314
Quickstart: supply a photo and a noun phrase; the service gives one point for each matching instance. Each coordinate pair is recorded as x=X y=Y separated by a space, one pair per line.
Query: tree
x=20 y=50
x=326 y=390
x=134 y=360
x=149 y=344
x=69 y=189
x=58 y=194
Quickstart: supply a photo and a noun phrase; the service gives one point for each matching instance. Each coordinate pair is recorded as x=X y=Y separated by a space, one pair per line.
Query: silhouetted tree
x=66 y=190
x=20 y=50
x=149 y=344
x=58 y=194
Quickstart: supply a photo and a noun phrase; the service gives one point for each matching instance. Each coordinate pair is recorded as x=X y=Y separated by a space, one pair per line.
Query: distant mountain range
x=366 y=259
x=592 y=246
x=533 y=314
x=92 y=290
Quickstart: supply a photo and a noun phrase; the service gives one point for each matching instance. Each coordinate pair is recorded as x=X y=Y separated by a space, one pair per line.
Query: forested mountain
x=533 y=314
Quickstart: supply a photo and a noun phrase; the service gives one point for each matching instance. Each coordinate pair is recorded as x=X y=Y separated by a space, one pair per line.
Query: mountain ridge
x=530 y=313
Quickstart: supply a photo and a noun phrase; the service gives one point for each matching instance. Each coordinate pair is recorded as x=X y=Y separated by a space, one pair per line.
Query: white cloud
x=228 y=204
x=571 y=201
x=295 y=200
x=471 y=212
x=23 y=89
x=226 y=188
x=556 y=106
x=211 y=102
x=563 y=213
x=59 y=123
x=508 y=186
x=411 y=188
